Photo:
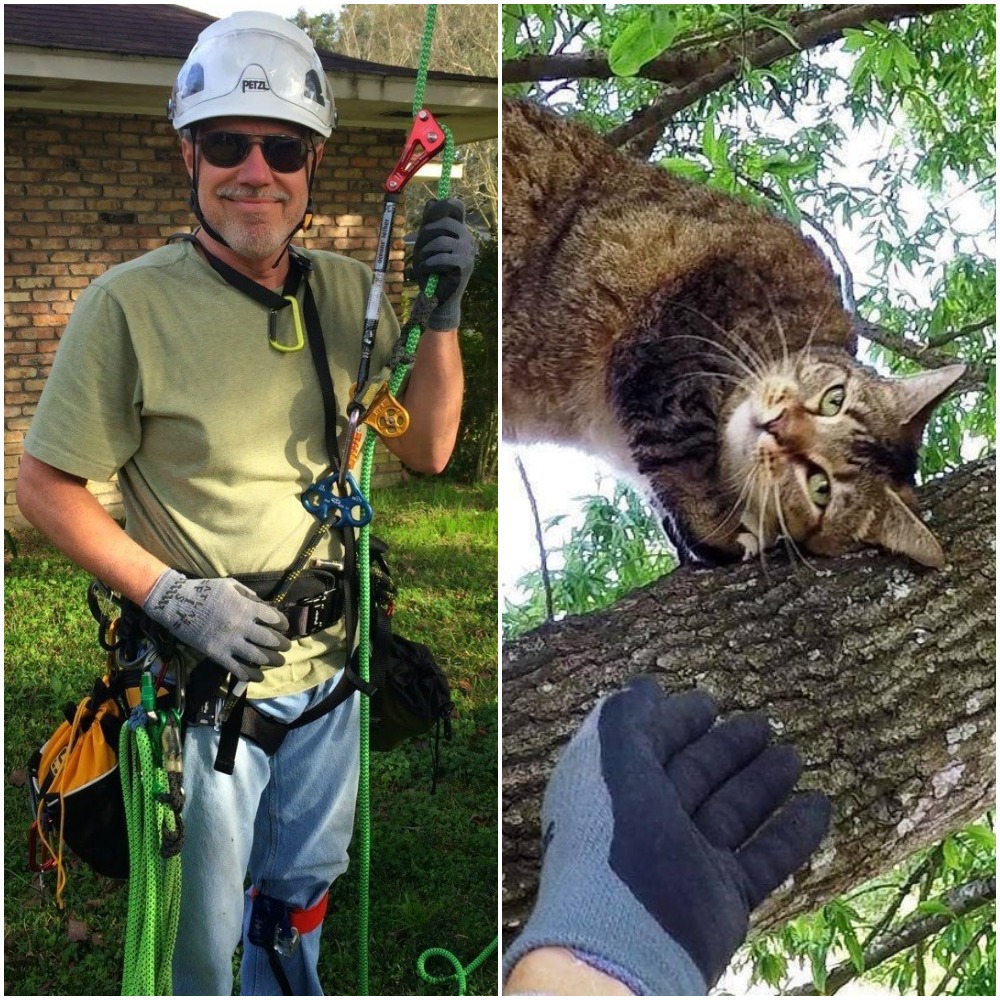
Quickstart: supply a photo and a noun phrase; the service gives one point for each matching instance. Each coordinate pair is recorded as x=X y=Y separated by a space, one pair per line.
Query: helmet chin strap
x=195 y=205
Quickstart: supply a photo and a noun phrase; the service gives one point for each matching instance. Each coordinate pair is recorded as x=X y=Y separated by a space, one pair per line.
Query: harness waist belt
x=315 y=599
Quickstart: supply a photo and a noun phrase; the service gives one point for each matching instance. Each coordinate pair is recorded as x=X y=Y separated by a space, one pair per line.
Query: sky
x=285 y=9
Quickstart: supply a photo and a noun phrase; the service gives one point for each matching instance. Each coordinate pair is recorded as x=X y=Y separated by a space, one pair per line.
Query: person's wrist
x=560 y=972
x=167 y=579
x=444 y=318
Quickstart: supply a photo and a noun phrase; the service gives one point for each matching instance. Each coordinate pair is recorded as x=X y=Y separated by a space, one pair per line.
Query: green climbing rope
x=154 y=881
x=461 y=973
x=364 y=589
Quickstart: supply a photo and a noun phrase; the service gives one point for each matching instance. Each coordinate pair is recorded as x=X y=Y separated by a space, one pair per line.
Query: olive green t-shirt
x=165 y=376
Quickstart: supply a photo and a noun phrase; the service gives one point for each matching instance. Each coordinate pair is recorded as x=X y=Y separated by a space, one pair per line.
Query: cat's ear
x=917 y=395
x=900 y=530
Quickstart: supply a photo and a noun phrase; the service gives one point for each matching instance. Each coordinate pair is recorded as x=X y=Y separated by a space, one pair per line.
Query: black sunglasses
x=283 y=153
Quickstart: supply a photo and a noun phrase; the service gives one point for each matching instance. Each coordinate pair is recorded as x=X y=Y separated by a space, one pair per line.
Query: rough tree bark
x=881 y=673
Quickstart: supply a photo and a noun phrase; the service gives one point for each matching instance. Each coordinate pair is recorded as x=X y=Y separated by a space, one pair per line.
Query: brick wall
x=83 y=192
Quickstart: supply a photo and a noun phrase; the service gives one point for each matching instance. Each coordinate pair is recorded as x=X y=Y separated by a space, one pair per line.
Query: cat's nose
x=776 y=426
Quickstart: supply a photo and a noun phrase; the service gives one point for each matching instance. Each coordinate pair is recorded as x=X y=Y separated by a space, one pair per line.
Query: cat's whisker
x=790 y=544
x=725 y=376
x=755 y=377
x=752 y=356
x=762 y=548
x=723 y=525
x=786 y=362
x=807 y=349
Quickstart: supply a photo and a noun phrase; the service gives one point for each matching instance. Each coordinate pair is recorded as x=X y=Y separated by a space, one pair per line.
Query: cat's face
x=822 y=451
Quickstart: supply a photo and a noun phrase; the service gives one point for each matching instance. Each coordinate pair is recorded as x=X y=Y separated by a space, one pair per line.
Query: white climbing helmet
x=253 y=65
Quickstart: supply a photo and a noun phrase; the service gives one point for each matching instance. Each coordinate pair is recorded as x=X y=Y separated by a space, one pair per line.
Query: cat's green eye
x=832 y=401
x=818 y=485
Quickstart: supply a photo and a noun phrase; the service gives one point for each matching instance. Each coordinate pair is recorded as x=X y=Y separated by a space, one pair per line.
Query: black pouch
x=412 y=694
x=75 y=785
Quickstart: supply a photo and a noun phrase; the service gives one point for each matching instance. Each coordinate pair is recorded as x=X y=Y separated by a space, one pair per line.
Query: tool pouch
x=412 y=694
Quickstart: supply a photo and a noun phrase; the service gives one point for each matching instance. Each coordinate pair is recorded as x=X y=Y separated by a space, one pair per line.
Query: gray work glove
x=444 y=246
x=661 y=833
x=221 y=619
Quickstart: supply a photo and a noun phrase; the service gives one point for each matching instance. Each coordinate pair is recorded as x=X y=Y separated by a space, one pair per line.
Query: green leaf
x=642 y=40
x=979 y=833
x=684 y=168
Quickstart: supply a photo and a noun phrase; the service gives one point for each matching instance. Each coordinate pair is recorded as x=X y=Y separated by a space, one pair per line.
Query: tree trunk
x=881 y=673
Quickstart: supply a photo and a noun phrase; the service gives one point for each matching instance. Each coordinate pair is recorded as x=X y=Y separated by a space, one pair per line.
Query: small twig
x=555 y=90
x=960 y=901
x=949 y=335
x=848 y=283
x=571 y=36
x=976 y=374
x=961 y=957
x=915 y=876
x=542 y=554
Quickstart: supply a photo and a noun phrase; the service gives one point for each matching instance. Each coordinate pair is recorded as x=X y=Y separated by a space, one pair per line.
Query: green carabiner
x=272 y=333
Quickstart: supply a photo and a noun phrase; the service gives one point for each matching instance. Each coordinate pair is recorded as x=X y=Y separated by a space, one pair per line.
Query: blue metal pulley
x=344 y=499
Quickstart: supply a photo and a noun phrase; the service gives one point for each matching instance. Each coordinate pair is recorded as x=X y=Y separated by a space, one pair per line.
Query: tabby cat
x=699 y=345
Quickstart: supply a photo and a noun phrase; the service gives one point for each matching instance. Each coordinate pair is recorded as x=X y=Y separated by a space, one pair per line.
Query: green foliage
x=643 y=38
x=464 y=41
x=434 y=867
x=617 y=548
x=846 y=931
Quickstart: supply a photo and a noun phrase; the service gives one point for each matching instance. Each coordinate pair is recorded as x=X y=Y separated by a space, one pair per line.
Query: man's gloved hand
x=223 y=620
x=661 y=833
x=444 y=247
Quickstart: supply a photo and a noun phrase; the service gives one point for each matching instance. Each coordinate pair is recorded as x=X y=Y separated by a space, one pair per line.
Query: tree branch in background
x=847 y=285
x=819 y=28
x=949 y=335
x=542 y=554
x=962 y=957
x=692 y=58
x=926 y=866
x=960 y=901
x=975 y=377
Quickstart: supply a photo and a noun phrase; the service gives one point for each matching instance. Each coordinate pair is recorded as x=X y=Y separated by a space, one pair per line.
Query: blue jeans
x=287 y=819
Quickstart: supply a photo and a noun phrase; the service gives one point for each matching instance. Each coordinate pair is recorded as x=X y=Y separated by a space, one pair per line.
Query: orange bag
x=76 y=787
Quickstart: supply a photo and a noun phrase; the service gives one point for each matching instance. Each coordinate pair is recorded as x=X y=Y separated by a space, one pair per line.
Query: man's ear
x=187 y=152
x=900 y=530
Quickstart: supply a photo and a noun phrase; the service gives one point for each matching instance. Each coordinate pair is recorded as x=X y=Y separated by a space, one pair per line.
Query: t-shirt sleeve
x=88 y=418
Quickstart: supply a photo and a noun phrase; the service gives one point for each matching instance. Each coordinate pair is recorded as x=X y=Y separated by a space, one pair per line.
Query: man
x=185 y=372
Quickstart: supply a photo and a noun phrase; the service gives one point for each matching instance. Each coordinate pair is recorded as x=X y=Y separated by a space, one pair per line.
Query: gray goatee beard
x=252 y=242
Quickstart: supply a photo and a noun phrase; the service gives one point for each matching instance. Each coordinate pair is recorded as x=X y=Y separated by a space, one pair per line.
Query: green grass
x=434 y=857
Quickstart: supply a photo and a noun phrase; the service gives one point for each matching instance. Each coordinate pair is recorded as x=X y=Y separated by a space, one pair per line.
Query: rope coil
x=154 y=885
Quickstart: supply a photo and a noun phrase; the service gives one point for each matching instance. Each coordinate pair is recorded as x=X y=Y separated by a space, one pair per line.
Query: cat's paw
x=750 y=545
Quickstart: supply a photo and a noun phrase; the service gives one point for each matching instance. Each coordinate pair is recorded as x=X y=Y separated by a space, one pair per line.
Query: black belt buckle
x=315 y=613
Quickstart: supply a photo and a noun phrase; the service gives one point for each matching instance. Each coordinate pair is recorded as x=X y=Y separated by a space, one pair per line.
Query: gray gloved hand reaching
x=444 y=246
x=661 y=832
x=221 y=619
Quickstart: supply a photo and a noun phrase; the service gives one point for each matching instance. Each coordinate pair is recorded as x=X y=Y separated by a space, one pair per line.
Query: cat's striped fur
x=700 y=345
